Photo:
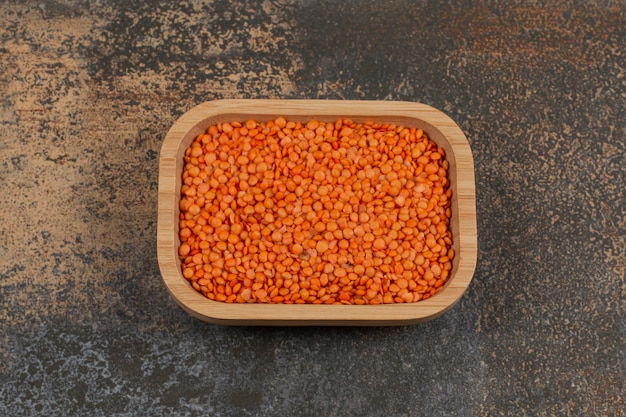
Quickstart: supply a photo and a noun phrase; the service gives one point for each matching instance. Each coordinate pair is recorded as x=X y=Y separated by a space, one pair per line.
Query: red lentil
x=321 y=213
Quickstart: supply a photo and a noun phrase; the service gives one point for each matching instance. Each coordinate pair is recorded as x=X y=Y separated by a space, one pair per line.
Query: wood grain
x=438 y=126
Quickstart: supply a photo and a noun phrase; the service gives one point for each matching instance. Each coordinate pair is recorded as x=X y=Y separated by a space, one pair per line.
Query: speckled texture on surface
x=89 y=90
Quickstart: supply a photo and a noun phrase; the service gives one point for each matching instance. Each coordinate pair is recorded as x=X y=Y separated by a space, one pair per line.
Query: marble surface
x=89 y=90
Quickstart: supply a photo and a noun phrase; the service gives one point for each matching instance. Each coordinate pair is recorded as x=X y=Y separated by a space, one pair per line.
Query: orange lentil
x=379 y=243
x=316 y=212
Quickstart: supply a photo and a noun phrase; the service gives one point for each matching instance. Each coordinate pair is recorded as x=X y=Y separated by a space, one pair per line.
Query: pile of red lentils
x=321 y=213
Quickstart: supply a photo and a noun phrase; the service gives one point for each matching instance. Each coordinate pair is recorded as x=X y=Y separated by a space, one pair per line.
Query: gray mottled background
x=88 y=91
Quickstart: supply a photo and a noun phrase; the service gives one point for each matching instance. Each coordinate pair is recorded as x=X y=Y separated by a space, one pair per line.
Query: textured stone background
x=88 y=91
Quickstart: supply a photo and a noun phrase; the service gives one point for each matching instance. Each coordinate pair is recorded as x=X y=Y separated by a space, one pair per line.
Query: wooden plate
x=439 y=128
